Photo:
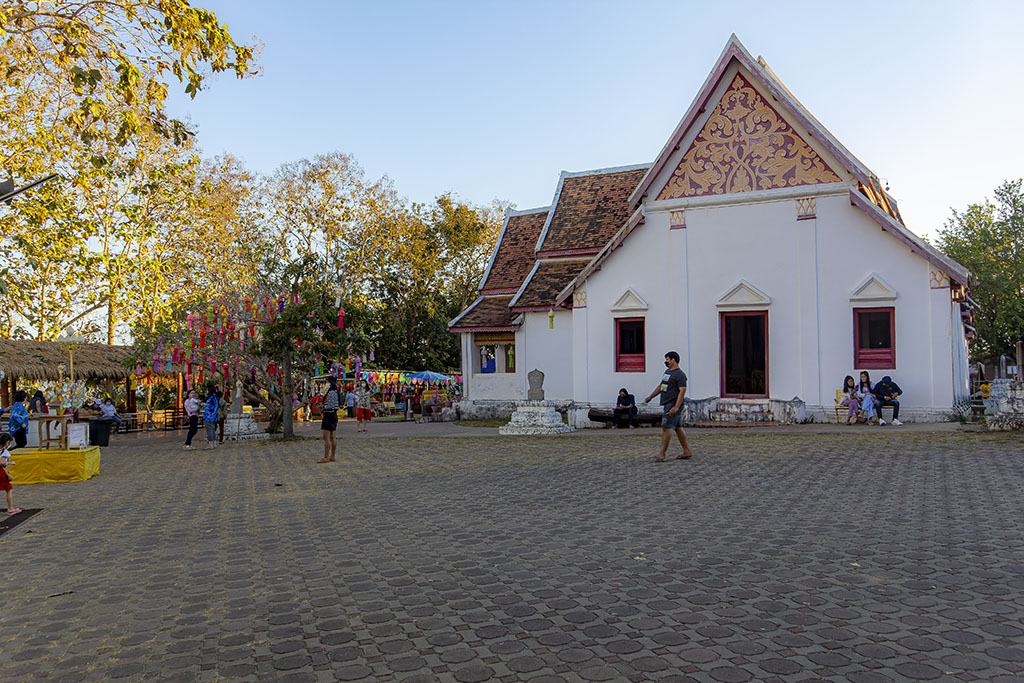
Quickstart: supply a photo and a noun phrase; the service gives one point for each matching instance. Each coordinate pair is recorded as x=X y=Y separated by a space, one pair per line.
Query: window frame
x=630 y=362
x=874 y=359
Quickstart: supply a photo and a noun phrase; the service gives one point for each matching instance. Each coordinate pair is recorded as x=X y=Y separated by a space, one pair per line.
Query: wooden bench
x=607 y=416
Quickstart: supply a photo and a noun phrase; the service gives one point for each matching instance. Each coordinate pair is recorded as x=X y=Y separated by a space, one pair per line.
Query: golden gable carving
x=745 y=146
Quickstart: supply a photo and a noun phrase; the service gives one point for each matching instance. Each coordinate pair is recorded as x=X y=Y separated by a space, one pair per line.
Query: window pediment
x=744 y=295
x=873 y=288
x=629 y=302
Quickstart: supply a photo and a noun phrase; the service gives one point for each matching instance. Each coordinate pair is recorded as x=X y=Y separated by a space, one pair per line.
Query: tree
x=988 y=238
x=116 y=55
x=442 y=255
x=271 y=338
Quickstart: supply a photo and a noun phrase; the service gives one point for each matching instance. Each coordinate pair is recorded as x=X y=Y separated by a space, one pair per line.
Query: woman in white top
x=192 y=417
x=867 y=399
x=5 y=480
x=850 y=398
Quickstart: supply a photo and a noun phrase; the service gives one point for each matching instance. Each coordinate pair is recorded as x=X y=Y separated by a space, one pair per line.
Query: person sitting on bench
x=625 y=407
x=110 y=412
x=887 y=393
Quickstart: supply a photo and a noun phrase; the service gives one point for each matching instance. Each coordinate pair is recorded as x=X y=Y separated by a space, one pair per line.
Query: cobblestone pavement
x=868 y=556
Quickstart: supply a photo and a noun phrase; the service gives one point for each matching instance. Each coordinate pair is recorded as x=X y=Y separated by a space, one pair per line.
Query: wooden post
x=129 y=400
x=5 y=394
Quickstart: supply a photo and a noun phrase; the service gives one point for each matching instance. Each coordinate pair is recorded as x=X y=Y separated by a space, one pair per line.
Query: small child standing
x=5 y=480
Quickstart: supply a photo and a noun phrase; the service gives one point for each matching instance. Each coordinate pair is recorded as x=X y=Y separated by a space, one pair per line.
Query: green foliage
x=988 y=238
x=115 y=56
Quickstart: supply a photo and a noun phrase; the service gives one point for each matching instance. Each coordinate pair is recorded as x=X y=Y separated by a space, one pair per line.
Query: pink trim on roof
x=735 y=50
x=510 y=328
x=559 y=253
x=888 y=224
x=635 y=220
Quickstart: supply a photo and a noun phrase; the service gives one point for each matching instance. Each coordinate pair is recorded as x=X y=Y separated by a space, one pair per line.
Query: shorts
x=363 y=414
x=211 y=431
x=5 y=480
x=671 y=421
x=330 y=421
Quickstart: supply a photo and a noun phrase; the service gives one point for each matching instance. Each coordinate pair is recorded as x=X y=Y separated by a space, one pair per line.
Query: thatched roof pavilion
x=39 y=360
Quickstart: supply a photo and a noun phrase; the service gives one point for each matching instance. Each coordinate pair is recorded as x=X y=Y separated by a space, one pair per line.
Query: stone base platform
x=242 y=428
x=535 y=418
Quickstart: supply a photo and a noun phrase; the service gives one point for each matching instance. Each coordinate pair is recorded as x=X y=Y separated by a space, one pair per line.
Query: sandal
x=684 y=457
x=322 y=460
x=659 y=460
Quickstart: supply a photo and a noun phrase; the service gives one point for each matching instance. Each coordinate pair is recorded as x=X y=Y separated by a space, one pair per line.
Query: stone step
x=723 y=416
x=742 y=407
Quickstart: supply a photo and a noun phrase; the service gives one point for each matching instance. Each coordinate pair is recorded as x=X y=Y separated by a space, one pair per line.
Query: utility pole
x=8 y=191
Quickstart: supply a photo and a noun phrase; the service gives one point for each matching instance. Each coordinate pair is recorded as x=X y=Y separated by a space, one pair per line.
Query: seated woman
x=850 y=399
x=625 y=407
x=867 y=399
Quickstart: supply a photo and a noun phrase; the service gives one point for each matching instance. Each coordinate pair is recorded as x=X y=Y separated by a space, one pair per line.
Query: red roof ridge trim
x=638 y=218
x=501 y=235
x=579 y=174
x=734 y=49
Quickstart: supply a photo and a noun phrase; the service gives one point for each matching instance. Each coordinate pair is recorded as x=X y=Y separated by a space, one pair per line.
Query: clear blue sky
x=494 y=99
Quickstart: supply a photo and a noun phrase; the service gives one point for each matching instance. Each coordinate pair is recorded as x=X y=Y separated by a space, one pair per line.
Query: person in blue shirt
x=625 y=407
x=18 y=425
x=210 y=417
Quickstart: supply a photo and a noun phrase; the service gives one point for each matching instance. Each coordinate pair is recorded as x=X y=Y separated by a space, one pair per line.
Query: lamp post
x=71 y=343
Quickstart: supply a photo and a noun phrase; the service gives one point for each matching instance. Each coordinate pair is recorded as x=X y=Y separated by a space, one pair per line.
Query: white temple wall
x=549 y=350
x=807 y=268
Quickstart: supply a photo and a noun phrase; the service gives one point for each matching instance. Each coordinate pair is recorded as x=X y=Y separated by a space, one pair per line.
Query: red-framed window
x=874 y=338
x=629 y=345
x=743 y=354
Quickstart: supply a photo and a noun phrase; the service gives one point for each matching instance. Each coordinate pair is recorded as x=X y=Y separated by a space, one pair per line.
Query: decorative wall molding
x=744 y=146
x=939 y=280
x=744 y=295
x=805 y=208
x=873 y=288
x=629 y=302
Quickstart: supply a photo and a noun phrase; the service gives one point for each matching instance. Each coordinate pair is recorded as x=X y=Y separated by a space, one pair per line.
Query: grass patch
x=481 y=423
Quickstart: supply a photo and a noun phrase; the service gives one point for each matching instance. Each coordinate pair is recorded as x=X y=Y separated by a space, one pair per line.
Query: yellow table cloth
x=51 y=466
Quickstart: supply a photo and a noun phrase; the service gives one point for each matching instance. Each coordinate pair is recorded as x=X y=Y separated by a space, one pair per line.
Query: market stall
x=68 y=373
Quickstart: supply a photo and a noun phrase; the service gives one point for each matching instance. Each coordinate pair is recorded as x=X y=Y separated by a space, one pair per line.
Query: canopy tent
x=41 y=360
x=428 y=375
x=34 y=360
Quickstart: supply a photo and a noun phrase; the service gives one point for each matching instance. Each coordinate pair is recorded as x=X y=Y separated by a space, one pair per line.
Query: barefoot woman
x=329 y=423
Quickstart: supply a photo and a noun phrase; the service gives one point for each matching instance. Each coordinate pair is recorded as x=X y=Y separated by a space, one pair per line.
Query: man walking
x=672 y=390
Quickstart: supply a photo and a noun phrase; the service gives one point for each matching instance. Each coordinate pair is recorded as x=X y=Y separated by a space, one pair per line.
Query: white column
x=808 y=340
x=580 y=353
x=940 y=349
x=467 y=363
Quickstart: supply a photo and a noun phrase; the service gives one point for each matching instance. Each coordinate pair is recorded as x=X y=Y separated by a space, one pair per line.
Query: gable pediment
x=744 y=295
x=629 y=301
x=873 y=288
x=746 y=145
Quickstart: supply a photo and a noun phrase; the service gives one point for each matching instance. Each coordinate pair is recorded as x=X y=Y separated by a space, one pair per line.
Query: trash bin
x=99 y=432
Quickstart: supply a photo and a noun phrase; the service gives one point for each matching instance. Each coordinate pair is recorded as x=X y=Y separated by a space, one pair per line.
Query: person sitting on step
x=625 y=410
x=887 y=393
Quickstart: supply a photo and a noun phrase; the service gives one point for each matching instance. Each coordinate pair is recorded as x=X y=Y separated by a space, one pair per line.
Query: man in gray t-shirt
x=672 y=390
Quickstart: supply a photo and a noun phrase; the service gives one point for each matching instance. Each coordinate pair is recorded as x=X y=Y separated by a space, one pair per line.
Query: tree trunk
x=287 y=389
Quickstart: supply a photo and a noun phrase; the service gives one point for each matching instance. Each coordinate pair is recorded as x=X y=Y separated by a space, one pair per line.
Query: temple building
x=756 y=245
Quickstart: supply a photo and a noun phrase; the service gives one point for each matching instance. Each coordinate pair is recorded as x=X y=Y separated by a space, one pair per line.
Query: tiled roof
x=591 y=207
x=488 y=311
x=514 y=256
x=547 y=281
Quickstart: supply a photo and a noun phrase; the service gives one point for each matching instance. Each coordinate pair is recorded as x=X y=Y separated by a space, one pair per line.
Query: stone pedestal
x=1008 y=413
x=242 y=428
x=535 y=417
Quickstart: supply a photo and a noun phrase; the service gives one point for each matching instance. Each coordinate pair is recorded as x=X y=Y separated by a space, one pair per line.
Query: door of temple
x=744 y=354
